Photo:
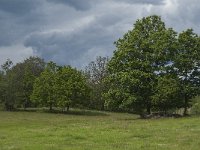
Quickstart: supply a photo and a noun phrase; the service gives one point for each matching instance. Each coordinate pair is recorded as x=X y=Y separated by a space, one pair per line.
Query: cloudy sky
x=74 y=32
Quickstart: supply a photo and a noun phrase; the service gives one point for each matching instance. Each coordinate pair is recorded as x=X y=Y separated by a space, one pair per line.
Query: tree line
x=153 y=69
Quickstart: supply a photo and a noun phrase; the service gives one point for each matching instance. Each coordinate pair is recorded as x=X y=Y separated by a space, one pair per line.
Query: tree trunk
x=25 y=104
x=148 y=107
x=185 y=95
x=67 y=108
x=50 y=107
x=148 y=110
x=185 y=108
x=102 y=106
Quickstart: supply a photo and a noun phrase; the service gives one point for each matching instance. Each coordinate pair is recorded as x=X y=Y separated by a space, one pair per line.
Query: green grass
x=96 y=131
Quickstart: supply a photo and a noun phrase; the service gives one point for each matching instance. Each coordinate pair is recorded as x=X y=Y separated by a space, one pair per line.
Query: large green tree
x=186 y=65
x=142 y=54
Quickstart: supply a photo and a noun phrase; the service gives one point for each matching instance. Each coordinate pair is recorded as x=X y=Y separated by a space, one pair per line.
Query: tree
x=22 y=79
x=71 y=88
x=27 y=88
x=44 y=87
x=187 y=65
x=60 y=86
x=7 y=85
x=1 y=89
x=141 y=55
x=96 y=72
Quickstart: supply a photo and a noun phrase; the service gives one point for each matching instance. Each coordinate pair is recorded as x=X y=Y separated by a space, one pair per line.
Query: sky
x=75 y=32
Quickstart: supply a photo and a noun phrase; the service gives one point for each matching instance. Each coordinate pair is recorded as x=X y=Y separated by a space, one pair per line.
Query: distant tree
x=187 y=65
x=96 y=71
x=24 y=74
x=60 y=86
x=27 y=88
x=17 y=81
x=44 y=87
x=1 y=89
x=141 y=54
x=7 y=85
x=71 y=88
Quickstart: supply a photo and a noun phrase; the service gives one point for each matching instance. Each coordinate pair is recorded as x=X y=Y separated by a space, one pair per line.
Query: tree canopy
x=153 y=69
x=143 y=58
x=60 y=86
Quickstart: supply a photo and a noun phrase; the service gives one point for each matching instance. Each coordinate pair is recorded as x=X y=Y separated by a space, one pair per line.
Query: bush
x=1 y=106
x=195 y=109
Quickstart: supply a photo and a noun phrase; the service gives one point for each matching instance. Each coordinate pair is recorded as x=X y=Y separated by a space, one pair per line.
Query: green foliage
x=7 y=86
x=187 y=65
x=139 y=57
x=44 y=87
x=71 y=88
x=168 y=94
x=17 y=81
x=60 y=86
x=30 y=69
x=153 y=67
x=1 y=89
x=195 y=109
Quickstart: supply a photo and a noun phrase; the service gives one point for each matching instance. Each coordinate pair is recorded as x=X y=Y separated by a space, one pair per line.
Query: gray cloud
x=77 y=4
x=18 y=18
x=76 y=31
x=67 y=47
x=18 y=7
x=153 y=2
x=180 y=14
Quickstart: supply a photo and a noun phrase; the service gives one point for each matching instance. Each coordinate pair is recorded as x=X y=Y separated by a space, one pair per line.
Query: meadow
x=92 y=130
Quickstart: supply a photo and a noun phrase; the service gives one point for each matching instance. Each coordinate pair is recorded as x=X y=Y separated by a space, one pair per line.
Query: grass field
x=96 y=131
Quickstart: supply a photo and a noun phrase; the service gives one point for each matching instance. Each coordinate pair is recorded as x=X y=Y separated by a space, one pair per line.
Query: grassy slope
x=44 y=131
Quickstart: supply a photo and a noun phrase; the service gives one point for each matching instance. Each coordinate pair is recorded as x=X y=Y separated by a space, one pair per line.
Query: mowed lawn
x=96 y=131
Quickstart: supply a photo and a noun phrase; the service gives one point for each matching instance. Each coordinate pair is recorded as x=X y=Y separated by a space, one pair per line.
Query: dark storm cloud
x=95 y=38
x=76 y=31
x=153 y=2
x=18 y=7
x=77 y=4
x=84 y=5
x=66 y=47
x=17 y=19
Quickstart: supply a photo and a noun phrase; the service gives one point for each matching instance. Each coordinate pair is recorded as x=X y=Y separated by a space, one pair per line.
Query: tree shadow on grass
x=79 y=112
x=21 y=110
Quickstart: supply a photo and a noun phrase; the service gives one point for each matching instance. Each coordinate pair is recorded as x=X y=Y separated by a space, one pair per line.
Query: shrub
x=195 y=109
